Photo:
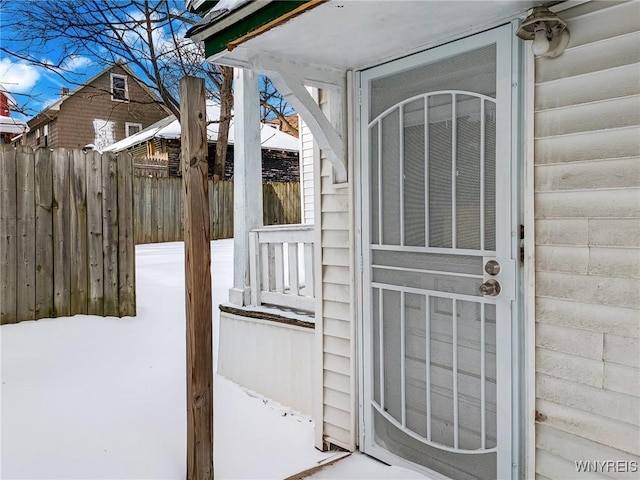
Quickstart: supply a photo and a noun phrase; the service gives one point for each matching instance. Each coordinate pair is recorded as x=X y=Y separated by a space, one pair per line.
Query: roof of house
x=9 y=124
x=12 y=125
x=169 y=128
x=51 y=110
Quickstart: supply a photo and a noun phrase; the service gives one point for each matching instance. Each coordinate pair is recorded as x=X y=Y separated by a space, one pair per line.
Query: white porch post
x=247 y=179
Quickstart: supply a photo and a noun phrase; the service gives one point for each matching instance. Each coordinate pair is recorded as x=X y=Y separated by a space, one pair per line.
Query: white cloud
x=18 y=77
x=76 y=62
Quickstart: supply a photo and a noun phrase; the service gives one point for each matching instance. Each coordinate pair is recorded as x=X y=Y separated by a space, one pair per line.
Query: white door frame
x=508 y=59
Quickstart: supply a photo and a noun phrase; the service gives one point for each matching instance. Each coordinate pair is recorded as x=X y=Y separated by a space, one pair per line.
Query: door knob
x=490 y=288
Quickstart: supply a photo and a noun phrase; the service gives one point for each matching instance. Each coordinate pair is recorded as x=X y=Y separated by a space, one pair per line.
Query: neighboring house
x=158 y=147
x=287 y=125
x=9 y=127
x=472 y=277
x=112 y=105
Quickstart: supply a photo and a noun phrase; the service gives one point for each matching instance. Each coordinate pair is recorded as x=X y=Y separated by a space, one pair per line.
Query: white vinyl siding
x=335 y=305
x=587 y=209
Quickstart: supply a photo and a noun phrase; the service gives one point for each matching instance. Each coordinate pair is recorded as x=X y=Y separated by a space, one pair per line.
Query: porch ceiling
x=358 y=34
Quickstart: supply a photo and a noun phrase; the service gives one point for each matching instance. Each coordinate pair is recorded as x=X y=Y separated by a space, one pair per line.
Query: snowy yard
x=87 y=397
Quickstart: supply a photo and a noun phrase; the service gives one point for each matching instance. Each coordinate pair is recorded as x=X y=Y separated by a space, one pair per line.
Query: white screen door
x=438 y=276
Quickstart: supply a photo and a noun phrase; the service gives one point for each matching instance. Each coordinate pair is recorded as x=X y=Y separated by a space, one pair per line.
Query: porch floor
x=95 y=398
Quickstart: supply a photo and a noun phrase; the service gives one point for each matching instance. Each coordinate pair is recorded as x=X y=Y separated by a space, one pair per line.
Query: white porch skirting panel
x=268 y=357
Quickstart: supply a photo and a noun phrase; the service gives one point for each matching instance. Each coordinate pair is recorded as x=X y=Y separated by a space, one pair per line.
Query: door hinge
x=361 y=264
x=522 y=244
x=359 y=95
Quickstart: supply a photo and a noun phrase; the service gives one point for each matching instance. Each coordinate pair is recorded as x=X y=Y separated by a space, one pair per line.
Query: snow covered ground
x=88 y=397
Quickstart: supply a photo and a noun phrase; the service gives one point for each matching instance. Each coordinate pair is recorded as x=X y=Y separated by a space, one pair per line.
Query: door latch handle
x=490 y=288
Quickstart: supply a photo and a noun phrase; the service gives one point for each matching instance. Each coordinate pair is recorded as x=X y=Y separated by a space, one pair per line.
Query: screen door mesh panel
x=431 y=142
x=432 y=170
x=432 y=155
x=472 y=71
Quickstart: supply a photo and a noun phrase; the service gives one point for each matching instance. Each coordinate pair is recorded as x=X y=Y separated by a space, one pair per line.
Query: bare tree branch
x=148 y=35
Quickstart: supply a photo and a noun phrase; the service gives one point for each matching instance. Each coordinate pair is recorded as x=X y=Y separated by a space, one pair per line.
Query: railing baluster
x=294 y=285
x=266 y=254
x=278 y=267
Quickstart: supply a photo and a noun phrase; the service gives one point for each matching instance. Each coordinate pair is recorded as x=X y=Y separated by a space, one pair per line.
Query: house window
x=131 y=128
x=119 y=89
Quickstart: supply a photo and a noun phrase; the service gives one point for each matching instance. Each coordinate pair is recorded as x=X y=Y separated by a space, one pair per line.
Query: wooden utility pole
x=193 y=120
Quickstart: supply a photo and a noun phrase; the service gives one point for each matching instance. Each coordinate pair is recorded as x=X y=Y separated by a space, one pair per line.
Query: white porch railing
x=281 y=266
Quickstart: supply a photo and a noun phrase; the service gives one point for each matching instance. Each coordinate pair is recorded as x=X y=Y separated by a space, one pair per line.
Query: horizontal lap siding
x=587 y=209
x=337 y=311
x=74 y=126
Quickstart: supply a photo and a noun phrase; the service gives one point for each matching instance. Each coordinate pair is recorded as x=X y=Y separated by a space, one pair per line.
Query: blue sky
x=35 y=87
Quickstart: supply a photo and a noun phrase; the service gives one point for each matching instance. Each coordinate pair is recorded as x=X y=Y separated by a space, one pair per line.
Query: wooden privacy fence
x=66 y=234
x=158 y=211
x=151 y=166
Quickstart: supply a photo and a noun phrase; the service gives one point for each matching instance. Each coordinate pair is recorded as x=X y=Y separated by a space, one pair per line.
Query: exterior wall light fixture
x=549 y=32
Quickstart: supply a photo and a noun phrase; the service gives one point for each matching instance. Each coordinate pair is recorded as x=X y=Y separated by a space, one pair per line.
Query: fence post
x=198 y=280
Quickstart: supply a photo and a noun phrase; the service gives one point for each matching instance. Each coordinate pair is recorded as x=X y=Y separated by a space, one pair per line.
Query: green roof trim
x=218 y=42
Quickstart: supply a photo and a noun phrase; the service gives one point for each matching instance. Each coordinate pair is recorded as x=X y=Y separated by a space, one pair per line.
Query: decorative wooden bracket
x=291 y=79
